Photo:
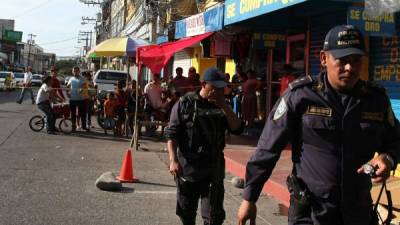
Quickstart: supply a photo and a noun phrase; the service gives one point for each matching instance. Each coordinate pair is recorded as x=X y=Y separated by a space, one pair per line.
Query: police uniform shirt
x=329 y=142
x=198 y=127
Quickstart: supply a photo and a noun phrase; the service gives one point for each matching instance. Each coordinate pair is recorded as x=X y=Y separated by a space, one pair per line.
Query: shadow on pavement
x=98 y=136
x=124 y=190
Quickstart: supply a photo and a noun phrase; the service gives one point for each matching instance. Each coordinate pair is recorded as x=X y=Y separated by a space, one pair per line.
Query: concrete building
x=34 y=56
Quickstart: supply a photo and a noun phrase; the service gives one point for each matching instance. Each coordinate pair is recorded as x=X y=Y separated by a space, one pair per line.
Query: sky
x=56 y=23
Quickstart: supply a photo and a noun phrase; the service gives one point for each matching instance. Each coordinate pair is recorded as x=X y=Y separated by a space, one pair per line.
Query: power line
x=60 y=41
x=33 y=9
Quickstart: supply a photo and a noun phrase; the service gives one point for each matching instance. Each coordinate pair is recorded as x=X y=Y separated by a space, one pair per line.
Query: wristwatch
x=390 y=159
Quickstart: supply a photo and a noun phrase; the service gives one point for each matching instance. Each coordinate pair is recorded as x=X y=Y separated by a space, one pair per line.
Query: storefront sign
x=195 y=25
x=268 y=40
x=386 y=59
x=238 y=10
x=382 y=25
x=210 y=20
x=11 y=35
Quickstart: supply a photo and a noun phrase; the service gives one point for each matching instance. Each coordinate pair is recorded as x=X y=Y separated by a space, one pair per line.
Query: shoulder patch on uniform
x=300 y=82
x=281 y=109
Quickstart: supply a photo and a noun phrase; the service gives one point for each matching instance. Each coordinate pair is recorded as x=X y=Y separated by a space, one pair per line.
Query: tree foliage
x=65 y=66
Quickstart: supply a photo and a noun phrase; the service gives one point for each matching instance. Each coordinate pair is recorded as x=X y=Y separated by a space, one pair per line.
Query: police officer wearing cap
x=196 y=140
x=335 y=123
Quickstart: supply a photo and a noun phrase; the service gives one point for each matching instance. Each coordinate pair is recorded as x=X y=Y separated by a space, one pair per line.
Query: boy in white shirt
x=43 y=103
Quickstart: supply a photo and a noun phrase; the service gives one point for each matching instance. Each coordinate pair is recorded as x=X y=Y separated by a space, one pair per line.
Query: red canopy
x=155 y=57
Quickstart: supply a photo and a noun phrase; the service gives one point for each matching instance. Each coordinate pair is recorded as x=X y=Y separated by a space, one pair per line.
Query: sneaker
x=51 y=132
x=19 y=102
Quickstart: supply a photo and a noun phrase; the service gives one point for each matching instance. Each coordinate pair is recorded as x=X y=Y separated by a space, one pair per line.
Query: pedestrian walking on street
x=27 y=86
x=335 y=123
x=196 y=140
x=43 y=103
x=75 y=85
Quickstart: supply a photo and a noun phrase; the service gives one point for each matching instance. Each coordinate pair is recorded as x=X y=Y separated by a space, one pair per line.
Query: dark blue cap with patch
x=344 y=40
x=215 y=77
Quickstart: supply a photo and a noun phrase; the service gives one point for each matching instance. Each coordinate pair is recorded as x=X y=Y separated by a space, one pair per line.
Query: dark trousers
x=50 y=117
x=89 y=111
x=327 y=211
x=80 y=104
x=22 y=95
x=188 y=195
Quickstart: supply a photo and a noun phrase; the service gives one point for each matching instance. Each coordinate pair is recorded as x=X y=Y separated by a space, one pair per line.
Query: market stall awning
x=124 y=46
x=155 y=57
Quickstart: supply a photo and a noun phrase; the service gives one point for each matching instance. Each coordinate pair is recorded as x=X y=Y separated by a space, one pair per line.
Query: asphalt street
x=49 y=179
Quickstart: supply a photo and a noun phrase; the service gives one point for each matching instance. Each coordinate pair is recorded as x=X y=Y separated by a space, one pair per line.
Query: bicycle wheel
x=65 y=126
x=36 y=123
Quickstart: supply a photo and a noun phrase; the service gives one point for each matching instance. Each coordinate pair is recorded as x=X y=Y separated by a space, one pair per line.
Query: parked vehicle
x=7 y=80
x=36 y=80
x=106 y=80
x=19 y=78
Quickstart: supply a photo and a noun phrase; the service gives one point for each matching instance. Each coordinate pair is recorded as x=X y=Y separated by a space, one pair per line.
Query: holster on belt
x=300 y=195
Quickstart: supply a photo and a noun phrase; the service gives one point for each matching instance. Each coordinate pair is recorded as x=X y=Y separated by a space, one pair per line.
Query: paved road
x=46 y=179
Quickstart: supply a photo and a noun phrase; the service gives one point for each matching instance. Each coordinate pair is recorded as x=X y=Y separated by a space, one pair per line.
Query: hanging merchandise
x=220 y=45
x=240 y=46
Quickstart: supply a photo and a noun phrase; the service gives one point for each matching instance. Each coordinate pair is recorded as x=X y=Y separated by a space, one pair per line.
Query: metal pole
x=135 y=137
x=30 y=41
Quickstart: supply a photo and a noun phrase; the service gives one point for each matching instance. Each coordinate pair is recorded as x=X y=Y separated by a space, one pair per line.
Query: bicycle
x=37 y=122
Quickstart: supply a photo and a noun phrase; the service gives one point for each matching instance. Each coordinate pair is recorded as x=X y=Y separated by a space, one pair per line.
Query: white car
x=106 y=80
x=7 y=80
x=36 y=80
x=19 y=78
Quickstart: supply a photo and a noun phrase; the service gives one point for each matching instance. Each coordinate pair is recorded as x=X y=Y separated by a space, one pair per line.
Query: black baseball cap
x=344 y=40
x=215 y=77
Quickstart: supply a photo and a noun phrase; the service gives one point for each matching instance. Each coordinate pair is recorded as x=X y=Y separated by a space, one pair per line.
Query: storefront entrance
x=294 y=53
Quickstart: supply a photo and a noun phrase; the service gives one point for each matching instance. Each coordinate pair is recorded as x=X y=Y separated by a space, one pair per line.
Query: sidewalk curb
x=271 y=187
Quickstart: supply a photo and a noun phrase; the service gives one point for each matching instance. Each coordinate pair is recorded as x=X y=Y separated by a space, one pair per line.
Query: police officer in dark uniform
x=196 y=140
x=335 y=122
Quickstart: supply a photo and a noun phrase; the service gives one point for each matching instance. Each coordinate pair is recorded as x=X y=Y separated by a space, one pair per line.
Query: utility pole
x=87 y=39
x=87 y=20
x=30 y=43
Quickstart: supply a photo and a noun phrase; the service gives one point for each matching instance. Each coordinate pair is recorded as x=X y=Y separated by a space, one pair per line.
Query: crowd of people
x=157 y=98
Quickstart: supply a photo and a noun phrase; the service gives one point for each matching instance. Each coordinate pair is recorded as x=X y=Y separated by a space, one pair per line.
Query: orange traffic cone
x=126 y=174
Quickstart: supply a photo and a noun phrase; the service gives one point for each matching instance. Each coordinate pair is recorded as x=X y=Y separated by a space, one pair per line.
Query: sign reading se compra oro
x=382 y=25
x=238 y=10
